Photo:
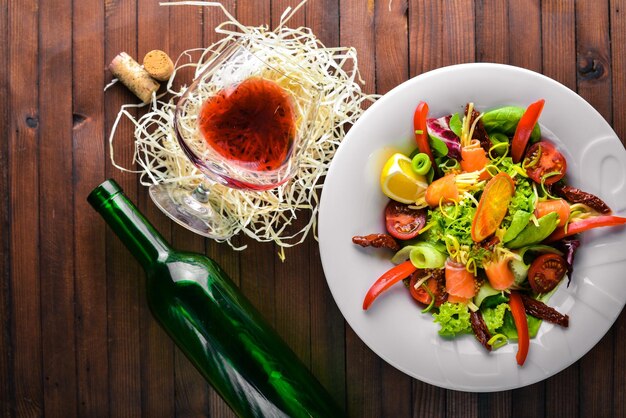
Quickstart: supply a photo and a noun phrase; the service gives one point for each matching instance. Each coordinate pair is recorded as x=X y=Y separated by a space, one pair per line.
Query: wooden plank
x=328 y=362
x=525 y=34
x=428 y=400
x=157 y=349
x=459 y=36
x=392 y=44
x=257 y=13
x=425 y=36
x=558 y=41
x=529 y=401
x=497 y=404
x=23 y=174
x=322 y=16
x=7 y=401
x=618 y=69
x=124 y=276
x=594 y=85
x=363 y=367
x=89 y=229
x=492 y=22
x=55 y=179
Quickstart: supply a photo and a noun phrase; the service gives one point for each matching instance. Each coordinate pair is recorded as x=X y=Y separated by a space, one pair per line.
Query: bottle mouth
x=103 y=193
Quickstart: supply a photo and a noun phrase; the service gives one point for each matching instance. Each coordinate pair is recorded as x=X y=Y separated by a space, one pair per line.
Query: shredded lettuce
x=523 y=199
x=494 y=317
x=454 y=319
x=455 y=220
x=508 y=328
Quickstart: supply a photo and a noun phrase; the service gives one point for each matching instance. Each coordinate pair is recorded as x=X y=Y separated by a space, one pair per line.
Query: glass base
x=192 y=209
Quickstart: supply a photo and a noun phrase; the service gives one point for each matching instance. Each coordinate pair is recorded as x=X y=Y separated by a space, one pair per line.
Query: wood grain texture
x=124 y=276
x=56 y=244
x=558 y=41
x=77 y=337
x=492 y=22
x=617 y=33
x=24 y=197
x=92 y=365
x=6 y=372
x=525 y=34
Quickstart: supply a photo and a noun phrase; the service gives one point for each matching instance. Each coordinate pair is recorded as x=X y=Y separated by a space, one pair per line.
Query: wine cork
x=158 y=64
x=133 y=76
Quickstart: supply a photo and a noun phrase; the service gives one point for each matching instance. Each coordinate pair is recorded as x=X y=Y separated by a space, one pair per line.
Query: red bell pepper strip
x=524 y=129
x=585 y=224
x=521 y=324
x=399 y=272
x=421 y=130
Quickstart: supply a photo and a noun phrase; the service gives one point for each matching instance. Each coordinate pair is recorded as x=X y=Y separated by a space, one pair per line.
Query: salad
x=482 y=224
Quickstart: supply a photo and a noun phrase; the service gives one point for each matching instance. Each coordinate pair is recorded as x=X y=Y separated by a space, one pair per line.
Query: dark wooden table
x=77 y=338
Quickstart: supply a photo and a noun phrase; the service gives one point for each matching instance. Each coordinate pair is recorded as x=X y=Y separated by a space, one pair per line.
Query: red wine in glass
x=252 y=124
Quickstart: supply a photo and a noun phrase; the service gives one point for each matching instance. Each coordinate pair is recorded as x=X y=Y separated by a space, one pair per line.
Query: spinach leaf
x=455 y=124
x=505 y=120
x=439 y=148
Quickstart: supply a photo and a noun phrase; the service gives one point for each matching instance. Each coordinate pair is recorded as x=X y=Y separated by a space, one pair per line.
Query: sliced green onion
x=543 y=180
x=421 y=164
x=492 y=169
x=500 y=145
x=519 y=170
x=449 y=165
x=531 y=163
x=419 y=132
x=425 y=256
x=498 y=341
x=432 y=299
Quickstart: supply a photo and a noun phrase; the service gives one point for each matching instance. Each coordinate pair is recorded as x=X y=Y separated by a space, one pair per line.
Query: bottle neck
x=131 y=227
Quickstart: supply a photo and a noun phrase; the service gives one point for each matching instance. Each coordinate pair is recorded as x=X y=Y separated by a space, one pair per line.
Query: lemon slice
x=399 y=182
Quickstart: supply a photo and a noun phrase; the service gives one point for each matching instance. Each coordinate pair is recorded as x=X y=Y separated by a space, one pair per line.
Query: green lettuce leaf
x=454 y=319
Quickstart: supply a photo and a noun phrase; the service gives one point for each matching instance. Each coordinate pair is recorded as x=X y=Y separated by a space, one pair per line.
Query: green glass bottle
x=218 y=329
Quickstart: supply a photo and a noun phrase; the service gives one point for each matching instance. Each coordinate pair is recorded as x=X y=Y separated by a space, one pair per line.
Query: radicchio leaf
x=440 y=128
x=569 y=247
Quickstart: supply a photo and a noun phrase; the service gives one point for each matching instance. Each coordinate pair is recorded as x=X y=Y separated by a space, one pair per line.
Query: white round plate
x=352 y=204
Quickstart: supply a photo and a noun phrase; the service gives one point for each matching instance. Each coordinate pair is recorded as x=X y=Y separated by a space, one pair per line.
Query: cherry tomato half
x=544 y=162
x=420 y=294
x=402 y=222
x=546 y=272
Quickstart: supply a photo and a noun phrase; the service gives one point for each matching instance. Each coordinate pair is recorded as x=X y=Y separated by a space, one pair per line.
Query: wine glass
x=244 y=122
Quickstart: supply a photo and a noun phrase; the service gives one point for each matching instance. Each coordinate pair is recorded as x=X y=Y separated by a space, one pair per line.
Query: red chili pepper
x=521 y=324
x=585 y=224
x=399 y=272
x=524 y=129
x=421 y=130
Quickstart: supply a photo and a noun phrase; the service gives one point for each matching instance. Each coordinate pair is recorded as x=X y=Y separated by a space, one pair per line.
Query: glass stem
x=201 y=193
